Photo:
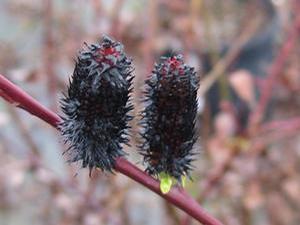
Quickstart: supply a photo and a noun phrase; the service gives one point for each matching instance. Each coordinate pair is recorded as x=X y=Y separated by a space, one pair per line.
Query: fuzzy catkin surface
x=168 y=119
x=96 y=106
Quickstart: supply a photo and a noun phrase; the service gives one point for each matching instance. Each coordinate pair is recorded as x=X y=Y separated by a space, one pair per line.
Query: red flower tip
x=172 y=64
x=110 y=51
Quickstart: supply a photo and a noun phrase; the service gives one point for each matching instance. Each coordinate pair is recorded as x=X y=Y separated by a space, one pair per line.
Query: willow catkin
x=168 y=119
x=96 y=105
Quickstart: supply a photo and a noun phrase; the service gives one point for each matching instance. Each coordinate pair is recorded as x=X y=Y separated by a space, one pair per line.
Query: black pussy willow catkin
x=169 y=117
x=96 y=105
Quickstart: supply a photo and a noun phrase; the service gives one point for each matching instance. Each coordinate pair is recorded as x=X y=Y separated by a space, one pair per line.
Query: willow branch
x=176 y=196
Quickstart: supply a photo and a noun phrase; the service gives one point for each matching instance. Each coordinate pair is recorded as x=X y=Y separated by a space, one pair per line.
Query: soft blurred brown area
x=242 y=176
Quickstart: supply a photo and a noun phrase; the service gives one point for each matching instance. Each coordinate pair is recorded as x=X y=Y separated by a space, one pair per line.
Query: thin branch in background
x=97 y=6
x=223 y=64
x=291 y=123
x=115 y=27
x=260 y=143
x=124 y=207
x=275 y=71
x=189 y=36
x=215 y=176
x=210 y=40
x=117 y=199
x=99 y=13
x=176 y=196
x=150 y=32
x=24 y=131
x=173 y=215
x=48 y=54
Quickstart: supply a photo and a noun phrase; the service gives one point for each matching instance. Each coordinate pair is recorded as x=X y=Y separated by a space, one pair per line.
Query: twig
x=49 y=53
x=225 y=62
x=24 y=132
x=115 y=28
x=215 y=176
x=291 y=123
x=16 y=96
x=176 y=196
x=149 y=33
x=173 y=215
x=275 y=71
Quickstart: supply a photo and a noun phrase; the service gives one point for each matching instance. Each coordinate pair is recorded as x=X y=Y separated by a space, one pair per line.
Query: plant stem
x=176 y=196
x=19 y=98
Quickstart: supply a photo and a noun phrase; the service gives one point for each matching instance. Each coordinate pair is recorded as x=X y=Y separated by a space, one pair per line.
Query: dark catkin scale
x=96 y=105
x=168 y=118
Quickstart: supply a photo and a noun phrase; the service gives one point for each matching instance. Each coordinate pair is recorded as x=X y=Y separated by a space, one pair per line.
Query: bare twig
x=176 y=196
x=275 y=71
x=172 y=214
x=115 y=28
x=49 y=53
x=19 y=98
x=24 y=131
x=291 y=123
x=149 y=32
x=225 y=62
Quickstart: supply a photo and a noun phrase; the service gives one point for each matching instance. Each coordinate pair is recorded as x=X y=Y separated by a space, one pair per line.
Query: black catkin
x=96 y=105
x=168 y=119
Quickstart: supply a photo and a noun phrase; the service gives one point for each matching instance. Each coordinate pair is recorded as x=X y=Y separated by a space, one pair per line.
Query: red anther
x=109 y=51
x=104 y=52
x=174 y=63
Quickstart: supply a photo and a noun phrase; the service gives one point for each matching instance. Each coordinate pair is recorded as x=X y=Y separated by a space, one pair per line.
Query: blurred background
x=247 y=53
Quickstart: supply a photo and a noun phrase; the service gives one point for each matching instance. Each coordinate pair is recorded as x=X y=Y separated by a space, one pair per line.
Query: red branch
x=275 y=71
x=176 y=196
x=19 y=98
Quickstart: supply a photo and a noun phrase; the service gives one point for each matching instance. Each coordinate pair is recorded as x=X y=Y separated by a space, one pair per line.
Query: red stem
x=19 y=98
x=176 y=196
